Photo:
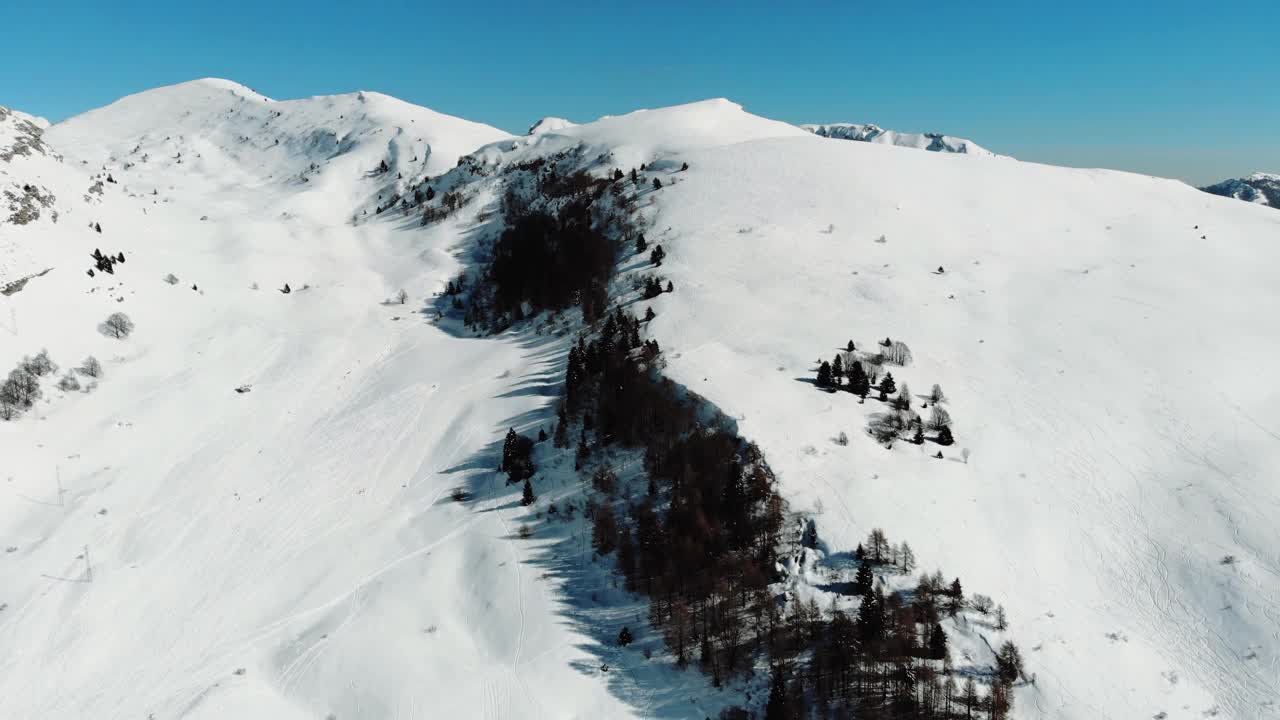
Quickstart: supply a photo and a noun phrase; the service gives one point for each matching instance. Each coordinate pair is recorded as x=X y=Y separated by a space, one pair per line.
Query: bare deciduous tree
x=90 y=367
x=117 y=325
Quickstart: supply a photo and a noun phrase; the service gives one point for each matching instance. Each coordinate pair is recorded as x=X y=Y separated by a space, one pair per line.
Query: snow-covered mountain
x=250 y=513
x=1261 y=188
x=935 y=142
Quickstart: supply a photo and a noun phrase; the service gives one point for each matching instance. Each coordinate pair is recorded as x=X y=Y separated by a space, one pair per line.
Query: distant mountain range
x=935 y=142
x=1260 y=188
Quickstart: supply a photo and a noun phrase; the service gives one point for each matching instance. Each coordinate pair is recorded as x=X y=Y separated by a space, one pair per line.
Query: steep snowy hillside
x=935 y=142
x=1260 y=188
x=45 y=203
x=1119 y=496
x=279 y=498
x=247 y=513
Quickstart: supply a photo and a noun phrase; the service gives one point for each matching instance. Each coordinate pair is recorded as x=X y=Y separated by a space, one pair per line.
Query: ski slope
x=301 y=531
x=293 y=552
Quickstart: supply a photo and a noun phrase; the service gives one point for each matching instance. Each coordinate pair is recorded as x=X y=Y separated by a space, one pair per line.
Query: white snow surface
x=550 y=124
x=866 y=132
x=303 y=531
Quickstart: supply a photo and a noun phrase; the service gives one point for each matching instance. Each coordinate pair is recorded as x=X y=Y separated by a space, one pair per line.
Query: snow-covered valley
x=178 y=549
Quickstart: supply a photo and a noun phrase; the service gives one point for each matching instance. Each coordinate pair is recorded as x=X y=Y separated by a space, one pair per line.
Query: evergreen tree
x=657 y=184
x=508 y=449
x=684 y=166
x=671 y=287
x=561 y=438
x=955 y=598
x=527 y=497
x=624 y=636
x=824 y=375
x=918 y=438
x=944 y=436
x=542 y=435
x=649 y=314
x=431 y=193
x=937 y=643
x=1002 y=622
x=633 y=176
x=1009 y=662
x=657 y=255
x=859 y=384
x=849 y=347
x=617 y=174
x=887 y=387
x=641 y=244
x=837 y=371
x=864 y=580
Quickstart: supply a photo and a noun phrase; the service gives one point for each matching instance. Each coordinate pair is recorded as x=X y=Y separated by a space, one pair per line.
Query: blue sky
x=1175 y=88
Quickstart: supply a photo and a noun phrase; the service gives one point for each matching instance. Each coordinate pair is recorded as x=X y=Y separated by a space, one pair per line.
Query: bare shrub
x=171 y=279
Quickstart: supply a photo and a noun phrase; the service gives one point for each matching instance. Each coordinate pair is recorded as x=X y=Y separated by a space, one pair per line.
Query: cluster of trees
x=858 y=373
x=558 y=249
x=21 y=390
x=552 y=262
x=888 y=659
x=105 y=263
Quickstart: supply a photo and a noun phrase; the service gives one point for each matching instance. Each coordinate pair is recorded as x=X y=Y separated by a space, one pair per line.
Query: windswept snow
x=935 y=142
x=292 y=551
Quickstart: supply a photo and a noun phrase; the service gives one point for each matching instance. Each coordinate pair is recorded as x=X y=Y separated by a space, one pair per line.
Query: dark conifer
x=657 y=184
x=527 y=497
x=641 y=244
x=824 y=375
x=657 y=255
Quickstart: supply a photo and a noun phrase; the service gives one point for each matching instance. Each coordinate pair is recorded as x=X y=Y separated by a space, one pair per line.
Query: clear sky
x=1180 y=89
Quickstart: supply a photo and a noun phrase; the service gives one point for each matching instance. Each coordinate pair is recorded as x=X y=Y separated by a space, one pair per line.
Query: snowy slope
x=303 y=531
x=1113 y=469
x=45 y=202
x=1261 y=188
x=935 y=142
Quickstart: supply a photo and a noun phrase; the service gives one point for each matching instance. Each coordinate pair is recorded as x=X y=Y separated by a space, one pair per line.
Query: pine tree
x=657 y=255
x=824 y=375
x=542 y=435
x=431 y=193
x=837 y=371
x=944 y=436
x=624 y=636
x=955 y=598
x=671 y=287
x=641 y=244
x=1009 y=662
x=508 y=449
x=863 y=581
x=887 y=387
x=561 y=438
x=849 y=347
x=657 y=184
x=684 y=166
x=649 y=314
x=859 y=384
x=617 y=174
x=527 y=497
x=937 y=643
